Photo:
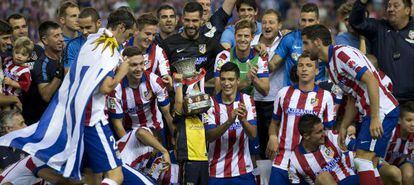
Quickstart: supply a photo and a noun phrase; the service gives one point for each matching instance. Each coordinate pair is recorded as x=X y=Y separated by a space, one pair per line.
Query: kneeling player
x=318 y=158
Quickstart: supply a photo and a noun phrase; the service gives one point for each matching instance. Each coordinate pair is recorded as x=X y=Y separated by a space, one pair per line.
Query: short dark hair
x=146 y=19
x=230 y=67
x=246 y=24
x=306 y=55
x=307 y=122
x=90 y=12
x=251 y=3
x=44 y=27
x=120 y=16
x=193 y=7
x=16 y=16
x=5 y=28
x=406 y=107
x=65 y=5
x=407 y=3
x=275 y=12
x=310 y=7
x=164 y=7
x=131 y=51
x=318 y=31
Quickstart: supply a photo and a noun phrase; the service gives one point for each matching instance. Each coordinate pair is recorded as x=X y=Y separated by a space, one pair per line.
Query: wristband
x=176 y=85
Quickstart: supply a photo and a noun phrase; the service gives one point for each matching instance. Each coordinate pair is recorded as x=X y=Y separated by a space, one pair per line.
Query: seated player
x=401 y=146
x=137 y=147
x=319 y=152
x=136 y=101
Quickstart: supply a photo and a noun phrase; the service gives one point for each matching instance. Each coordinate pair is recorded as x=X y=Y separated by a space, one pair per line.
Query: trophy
x=195 y=101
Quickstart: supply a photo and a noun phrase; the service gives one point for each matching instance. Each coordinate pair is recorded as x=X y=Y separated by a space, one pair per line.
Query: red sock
x=365 y=171
x=367 y=177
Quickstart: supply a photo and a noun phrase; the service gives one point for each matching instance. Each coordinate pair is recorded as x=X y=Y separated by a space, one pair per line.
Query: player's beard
x=190 y=34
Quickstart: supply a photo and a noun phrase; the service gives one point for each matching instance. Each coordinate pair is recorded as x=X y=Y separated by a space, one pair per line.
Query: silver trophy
x=195 y=100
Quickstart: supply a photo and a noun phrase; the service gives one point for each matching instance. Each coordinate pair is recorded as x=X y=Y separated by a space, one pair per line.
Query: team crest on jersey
x=314 y=101
x=202 y=48
x=111 y=103
x=410 y=38
x=34 y=56
x=220 y=63
x=329 y=152
x=295 y=56
x=147 y=95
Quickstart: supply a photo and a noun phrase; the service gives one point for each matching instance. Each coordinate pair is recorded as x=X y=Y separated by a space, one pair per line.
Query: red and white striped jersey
x=399 y=150
x=132 y=151
x=346 y=67
x=156 y=60
x=290 y=104
x=22 y=172
x=19 y=74
x=307 y=166
x=229 y=156
x=96 y=110
x=138 y=107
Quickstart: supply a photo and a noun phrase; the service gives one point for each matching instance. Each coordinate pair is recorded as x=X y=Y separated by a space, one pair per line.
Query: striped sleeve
x=262 y=68
x=351 y=63
x=329 y=112
x=114 y=103
x=251 y=109
x=159 y=89
x=209 y=118
x=277 y=110
x=163 y=63
x=221 y=59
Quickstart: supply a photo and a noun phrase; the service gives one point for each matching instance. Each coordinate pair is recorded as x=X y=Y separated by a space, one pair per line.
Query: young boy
x=16 y=74
x=401 y=146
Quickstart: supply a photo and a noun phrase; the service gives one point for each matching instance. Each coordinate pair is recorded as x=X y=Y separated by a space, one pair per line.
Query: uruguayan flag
x=57 y=139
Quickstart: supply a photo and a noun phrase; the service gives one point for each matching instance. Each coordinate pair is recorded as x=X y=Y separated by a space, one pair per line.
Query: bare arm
x=118 y=127
x=217 y=86
x=47 y=90
x=215 y=133
x=168 y=118
x=262 y=85
x=228 y=6
x=349 y=116
x=178 y=104
x=148 y=139
x=275 y=63
x=109 y=84
x=273 y=143
x=9 y=81
x=373 y=93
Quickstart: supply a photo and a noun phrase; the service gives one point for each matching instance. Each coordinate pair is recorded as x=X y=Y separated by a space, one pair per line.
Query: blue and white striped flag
x=57 y=139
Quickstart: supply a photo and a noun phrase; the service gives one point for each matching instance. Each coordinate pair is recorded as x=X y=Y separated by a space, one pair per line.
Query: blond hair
x=23 y=45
